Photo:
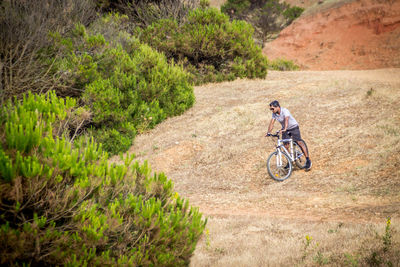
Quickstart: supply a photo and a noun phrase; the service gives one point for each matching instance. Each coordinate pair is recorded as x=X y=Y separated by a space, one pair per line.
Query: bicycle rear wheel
x=300 y=158
x=279 y=168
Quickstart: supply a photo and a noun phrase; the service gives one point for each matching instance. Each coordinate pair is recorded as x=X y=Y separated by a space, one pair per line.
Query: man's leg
x=286 y=144
x=303 y=148
x=305 y=152
x=297 y=136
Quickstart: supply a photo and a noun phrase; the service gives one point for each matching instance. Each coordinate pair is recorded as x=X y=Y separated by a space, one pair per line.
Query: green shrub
x=66 y=205
x=236 y=7
x=116 y=139
x=268 y=17
x=282 y=65
x=208 y=45
x=123 y=81
x=292 y=13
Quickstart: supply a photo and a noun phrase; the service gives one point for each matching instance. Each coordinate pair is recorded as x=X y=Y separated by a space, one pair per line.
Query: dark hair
x=274 y=103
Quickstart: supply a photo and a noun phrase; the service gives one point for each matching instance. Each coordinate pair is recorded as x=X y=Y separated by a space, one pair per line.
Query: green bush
x=116 y=139
x=268 y=17
x=282 y=65
x=235 y=7
x=292 y=13
x=66 y=205
x=208 y=45
x=122 y=81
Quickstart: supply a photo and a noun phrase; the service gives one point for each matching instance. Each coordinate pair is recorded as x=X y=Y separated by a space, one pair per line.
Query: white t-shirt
x=292 y=123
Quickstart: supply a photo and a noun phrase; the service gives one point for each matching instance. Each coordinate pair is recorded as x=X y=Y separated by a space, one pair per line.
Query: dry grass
x=216 y=152
x=256 y=241
x=320 y=6
x=217 y=3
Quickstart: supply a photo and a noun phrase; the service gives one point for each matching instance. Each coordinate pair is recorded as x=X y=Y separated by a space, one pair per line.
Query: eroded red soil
x=361 y=34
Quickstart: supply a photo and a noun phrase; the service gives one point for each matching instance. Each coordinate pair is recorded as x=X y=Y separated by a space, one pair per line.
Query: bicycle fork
x=291 y=151
x=279 y=158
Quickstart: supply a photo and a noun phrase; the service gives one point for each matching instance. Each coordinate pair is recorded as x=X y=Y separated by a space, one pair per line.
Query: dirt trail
x=216 y=152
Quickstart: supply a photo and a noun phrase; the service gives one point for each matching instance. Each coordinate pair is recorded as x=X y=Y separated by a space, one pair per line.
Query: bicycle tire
x=301 y=161
x=276 y=174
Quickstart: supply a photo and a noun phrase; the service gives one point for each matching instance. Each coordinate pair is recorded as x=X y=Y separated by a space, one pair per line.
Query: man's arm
x=271 y=125
x=286 y=124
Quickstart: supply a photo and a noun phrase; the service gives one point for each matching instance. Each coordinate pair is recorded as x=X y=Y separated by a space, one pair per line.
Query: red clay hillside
x=342 y=34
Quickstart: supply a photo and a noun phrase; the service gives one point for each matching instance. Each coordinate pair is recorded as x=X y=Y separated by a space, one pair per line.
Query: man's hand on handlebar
x=273 y=135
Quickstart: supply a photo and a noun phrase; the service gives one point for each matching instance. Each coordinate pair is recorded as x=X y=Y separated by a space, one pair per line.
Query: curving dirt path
x=216 y=152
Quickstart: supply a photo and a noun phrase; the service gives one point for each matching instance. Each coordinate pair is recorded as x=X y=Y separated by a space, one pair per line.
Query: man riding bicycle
x=290 y=128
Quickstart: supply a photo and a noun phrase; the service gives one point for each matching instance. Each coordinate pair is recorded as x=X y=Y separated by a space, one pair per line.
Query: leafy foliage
x=128 y=86
x=267 y=16
x=236 y=8
x=282 y=65
x=66 y=205
x=292 y=13
x=209 y=46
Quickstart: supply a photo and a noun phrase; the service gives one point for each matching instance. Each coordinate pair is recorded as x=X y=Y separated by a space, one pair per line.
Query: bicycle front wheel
x=279 y=166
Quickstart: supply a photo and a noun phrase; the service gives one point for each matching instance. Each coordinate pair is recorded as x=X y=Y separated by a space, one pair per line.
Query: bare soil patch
x=216 y=153
x=342 y=34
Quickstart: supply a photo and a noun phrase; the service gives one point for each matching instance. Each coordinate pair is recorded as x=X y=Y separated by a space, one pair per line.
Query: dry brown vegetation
x=217 y=3
x=216 y=152
x=24 y=32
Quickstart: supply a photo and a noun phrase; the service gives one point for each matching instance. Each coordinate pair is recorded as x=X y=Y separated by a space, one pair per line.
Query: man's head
x=274 y=106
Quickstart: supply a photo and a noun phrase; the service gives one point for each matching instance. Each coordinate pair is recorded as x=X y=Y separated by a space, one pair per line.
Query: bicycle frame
x=290 y=157
x=281 y=146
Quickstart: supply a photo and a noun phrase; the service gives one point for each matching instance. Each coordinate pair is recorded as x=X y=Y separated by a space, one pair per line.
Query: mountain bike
x=281 y=162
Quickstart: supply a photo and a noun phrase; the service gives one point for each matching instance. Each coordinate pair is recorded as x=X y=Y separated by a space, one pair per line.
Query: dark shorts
x=294 y=134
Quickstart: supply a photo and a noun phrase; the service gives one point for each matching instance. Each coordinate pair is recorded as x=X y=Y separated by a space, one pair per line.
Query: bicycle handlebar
x=273 y=135
x=277 y=134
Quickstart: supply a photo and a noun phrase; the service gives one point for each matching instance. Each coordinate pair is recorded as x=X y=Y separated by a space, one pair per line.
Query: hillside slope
x=216 y=152
x=342 y=34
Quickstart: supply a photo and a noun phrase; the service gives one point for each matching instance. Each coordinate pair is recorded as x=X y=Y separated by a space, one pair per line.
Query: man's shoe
x=308 y=165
